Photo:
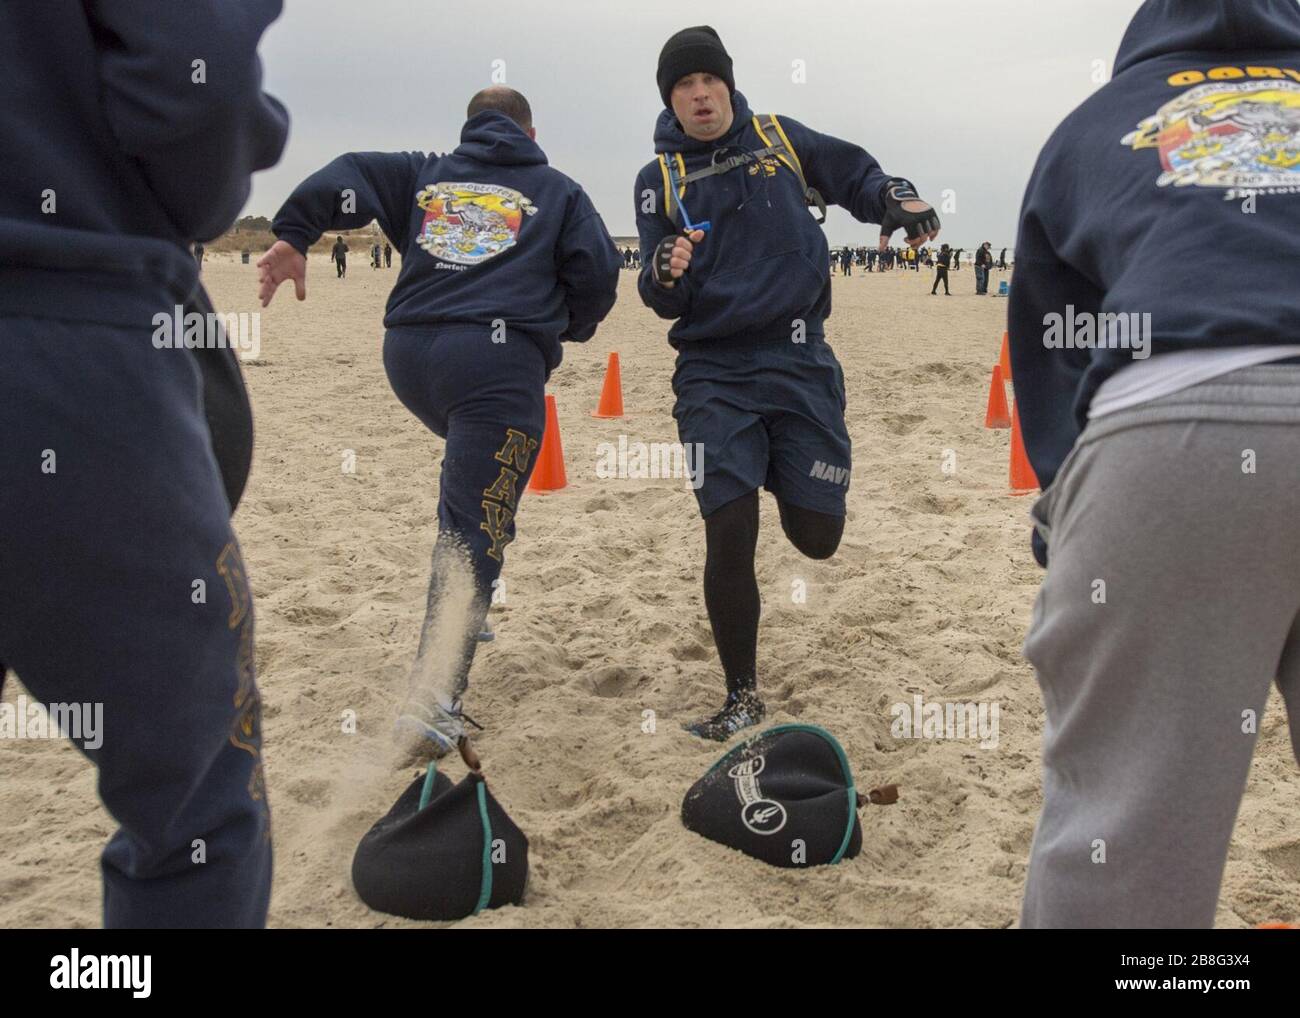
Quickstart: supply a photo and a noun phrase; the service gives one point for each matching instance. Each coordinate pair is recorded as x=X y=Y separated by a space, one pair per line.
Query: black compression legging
x=730 y=588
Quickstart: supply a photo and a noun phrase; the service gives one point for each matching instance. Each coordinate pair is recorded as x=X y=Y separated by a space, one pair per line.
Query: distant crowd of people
x=942 y=260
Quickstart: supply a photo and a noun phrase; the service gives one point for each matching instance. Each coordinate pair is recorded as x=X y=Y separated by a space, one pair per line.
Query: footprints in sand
x=602 y=610
x=691 y=651
x=1285 y=857
x=935 y=371
x=936 y=505
x=314 y=792
x=612 y=681
x=901 y=424
x=559 y=577
x=308 y=615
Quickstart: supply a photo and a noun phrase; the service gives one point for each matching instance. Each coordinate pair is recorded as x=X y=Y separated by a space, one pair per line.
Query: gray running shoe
x=443 y=727
x=742 y=709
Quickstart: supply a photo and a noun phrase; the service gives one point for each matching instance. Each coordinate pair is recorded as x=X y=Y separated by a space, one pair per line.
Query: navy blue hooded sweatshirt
x=1140 y=203
x=487 y=232
x=764 y=262
x=116 y=157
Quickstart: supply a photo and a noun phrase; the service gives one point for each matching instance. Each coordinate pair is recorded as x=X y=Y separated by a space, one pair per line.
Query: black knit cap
x=692 y=51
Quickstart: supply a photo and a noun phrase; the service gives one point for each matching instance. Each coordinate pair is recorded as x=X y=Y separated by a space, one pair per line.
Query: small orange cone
x=1023 y=478
x=611 y=396
x=997 y=415
x=548 y=473
x=1004 y=361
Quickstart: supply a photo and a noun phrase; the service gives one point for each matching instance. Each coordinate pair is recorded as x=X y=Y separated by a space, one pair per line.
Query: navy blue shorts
x=767 y=414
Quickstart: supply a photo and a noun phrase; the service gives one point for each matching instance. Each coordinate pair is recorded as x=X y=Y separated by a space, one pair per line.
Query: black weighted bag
x=785 y=796
x=455 y=857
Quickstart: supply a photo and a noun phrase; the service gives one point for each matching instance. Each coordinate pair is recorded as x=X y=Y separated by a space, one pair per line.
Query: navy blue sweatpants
x=488 y=400
x=121 y=583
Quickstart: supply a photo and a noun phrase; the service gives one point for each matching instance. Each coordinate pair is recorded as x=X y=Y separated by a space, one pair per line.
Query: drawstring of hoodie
x=749 y=159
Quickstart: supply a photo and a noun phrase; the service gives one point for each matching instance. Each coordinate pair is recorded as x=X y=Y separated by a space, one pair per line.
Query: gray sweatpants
x=1171 y=603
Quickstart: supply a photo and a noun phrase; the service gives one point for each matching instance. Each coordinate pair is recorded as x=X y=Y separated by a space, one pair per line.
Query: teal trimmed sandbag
x=785 y=796
x=453 y=857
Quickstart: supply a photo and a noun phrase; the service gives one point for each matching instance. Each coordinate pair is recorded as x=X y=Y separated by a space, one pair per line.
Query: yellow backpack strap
x=766 y=125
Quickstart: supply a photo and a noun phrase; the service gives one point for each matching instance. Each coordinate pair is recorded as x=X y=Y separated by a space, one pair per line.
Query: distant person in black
x=1002 y=259
x=388 y=255
x=198 y=254
x=375 y=256
x=941 y=271
x=339 y=256
x=956 y=260
x=983 y=266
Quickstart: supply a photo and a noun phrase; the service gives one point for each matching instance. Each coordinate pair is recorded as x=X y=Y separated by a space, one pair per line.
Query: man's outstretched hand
x=281 y=262
x=904 y=209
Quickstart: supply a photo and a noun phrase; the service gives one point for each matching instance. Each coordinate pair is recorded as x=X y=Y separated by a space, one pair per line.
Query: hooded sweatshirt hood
x=1208 y=26
x=493 y=138
x=670 y=137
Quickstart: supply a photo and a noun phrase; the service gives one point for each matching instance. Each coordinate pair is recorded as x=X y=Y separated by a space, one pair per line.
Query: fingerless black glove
x=917 y=224
x=663 y=258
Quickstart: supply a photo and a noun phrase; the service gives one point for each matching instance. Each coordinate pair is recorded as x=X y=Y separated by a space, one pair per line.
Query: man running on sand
x=1167 y=441
x=121 y=582
x=756 y=382
x=503 y=258
x=339 y=256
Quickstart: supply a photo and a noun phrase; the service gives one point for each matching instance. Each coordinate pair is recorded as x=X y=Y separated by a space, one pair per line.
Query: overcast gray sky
x=954 y=94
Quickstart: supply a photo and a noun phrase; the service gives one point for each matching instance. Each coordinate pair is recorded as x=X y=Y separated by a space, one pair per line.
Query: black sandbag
x=457 y=856
x=785 y=796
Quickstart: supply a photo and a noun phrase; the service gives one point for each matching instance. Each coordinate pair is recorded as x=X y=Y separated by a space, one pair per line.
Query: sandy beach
x=602 y=620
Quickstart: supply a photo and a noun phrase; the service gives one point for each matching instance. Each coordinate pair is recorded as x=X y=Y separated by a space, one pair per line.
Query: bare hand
x=281 y=262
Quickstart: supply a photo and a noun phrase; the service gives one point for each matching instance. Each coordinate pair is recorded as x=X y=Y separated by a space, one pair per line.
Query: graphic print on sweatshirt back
x=466 y=223
x=1240 y=135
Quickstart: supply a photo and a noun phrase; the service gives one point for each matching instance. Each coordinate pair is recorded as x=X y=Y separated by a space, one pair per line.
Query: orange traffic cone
x=1023 y=478
x=1004 y=361
x=548 y=473
x=997 y=415
x=611 y=396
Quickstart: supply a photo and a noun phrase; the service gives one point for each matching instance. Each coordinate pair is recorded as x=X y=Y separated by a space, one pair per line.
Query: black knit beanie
x=691 y=51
